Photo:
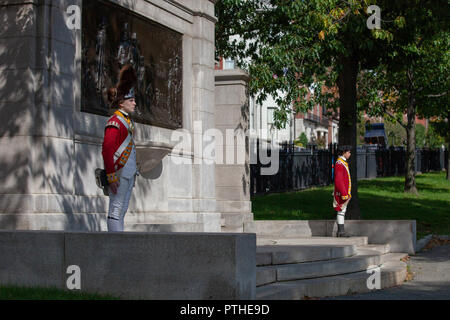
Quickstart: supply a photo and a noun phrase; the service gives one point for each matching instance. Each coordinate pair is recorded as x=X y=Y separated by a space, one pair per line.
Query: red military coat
x=115 y=135
x=342 y=184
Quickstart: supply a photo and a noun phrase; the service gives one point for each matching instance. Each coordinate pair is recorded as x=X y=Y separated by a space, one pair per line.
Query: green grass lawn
x=19 y=293
x=379 y=199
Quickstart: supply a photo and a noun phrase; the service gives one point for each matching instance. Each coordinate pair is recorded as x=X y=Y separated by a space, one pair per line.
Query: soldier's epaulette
x=113 y=123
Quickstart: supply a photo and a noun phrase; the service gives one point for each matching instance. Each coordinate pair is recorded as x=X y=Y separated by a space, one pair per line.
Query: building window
x=229 y=64
x=270 y=115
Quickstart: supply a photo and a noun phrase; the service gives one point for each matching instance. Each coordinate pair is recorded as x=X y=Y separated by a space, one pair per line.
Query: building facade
x=316 y=123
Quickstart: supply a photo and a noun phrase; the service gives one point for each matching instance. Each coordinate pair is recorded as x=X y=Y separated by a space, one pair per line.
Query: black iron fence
x=306 y=168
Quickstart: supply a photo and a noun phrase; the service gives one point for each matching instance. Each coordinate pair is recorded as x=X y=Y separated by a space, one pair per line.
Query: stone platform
x=132 y=265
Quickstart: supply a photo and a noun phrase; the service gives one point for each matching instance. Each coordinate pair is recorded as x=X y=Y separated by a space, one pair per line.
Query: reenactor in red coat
x=118 y=132
x=118 y=150
x=342 y=188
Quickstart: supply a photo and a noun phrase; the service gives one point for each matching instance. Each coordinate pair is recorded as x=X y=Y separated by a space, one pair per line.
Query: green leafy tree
x=440 y=133
x=395 y=132
x=416 y=84
x=435 y=98
x=294 y=50
x=420 y=135
x=303 y=140
x=434 y=138
x=361 y=130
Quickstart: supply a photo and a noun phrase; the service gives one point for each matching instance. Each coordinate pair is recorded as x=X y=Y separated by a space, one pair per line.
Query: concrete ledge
x=287 y=228
x=234 y=222
x=206 y=221
x=130 y=265
x=54 y=221
x=399 y=234
x=164 y=227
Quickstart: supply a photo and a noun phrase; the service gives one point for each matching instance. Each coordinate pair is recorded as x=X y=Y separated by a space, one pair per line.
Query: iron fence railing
x=306 y=168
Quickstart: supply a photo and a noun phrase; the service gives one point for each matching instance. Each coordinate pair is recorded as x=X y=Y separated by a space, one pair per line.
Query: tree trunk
x=448 y=145
x=347 y=125
x=410 y=174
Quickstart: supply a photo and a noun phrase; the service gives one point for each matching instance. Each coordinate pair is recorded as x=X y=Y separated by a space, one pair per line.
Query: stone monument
x=51 y=139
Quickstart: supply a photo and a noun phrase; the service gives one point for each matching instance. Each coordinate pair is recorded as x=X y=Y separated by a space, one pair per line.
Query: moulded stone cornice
x=193 y=12
x=231 y=75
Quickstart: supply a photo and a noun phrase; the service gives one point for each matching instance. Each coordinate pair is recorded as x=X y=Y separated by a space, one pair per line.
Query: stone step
x=393 y=257
x=392 y=273
x=264 y=276
x=277 y=240
x=231 y=229
x=381 y=248
x=164 y=227
x=309 y=270
x=234 y=222
x=291 y=228
x=235 y=219
x=284 y=254
x=160 y=217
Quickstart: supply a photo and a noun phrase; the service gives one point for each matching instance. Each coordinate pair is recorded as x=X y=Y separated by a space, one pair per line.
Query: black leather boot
x=341 y=232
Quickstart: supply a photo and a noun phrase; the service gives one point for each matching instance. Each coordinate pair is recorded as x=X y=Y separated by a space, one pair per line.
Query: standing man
x=118 y=150
x=342 y=188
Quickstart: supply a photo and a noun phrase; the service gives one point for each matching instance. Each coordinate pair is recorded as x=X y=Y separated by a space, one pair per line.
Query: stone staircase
x=293 y=264
x=164 y=227
x=295 y=268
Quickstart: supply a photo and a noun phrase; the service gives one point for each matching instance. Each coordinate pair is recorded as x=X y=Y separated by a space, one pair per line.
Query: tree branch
x=394 y=117
x=339 y=20
x=437 y=95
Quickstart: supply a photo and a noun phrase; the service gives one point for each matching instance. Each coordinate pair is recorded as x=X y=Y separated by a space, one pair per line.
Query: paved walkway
x=431 y=279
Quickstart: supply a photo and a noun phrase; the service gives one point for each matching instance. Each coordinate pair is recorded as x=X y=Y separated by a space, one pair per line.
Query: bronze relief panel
x=113 y=36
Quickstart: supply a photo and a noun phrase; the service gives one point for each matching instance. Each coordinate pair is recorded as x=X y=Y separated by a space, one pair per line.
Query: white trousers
x=118 y=204
x=341 y=215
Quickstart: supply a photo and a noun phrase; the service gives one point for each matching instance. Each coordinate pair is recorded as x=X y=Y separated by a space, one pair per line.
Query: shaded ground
x=431 y=280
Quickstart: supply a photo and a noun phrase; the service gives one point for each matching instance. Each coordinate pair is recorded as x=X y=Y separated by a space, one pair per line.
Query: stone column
x=233 y=174
x=203 y=108
x=36 y=102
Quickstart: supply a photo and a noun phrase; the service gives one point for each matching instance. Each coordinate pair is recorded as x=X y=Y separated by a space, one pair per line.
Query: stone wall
x=155 y=266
